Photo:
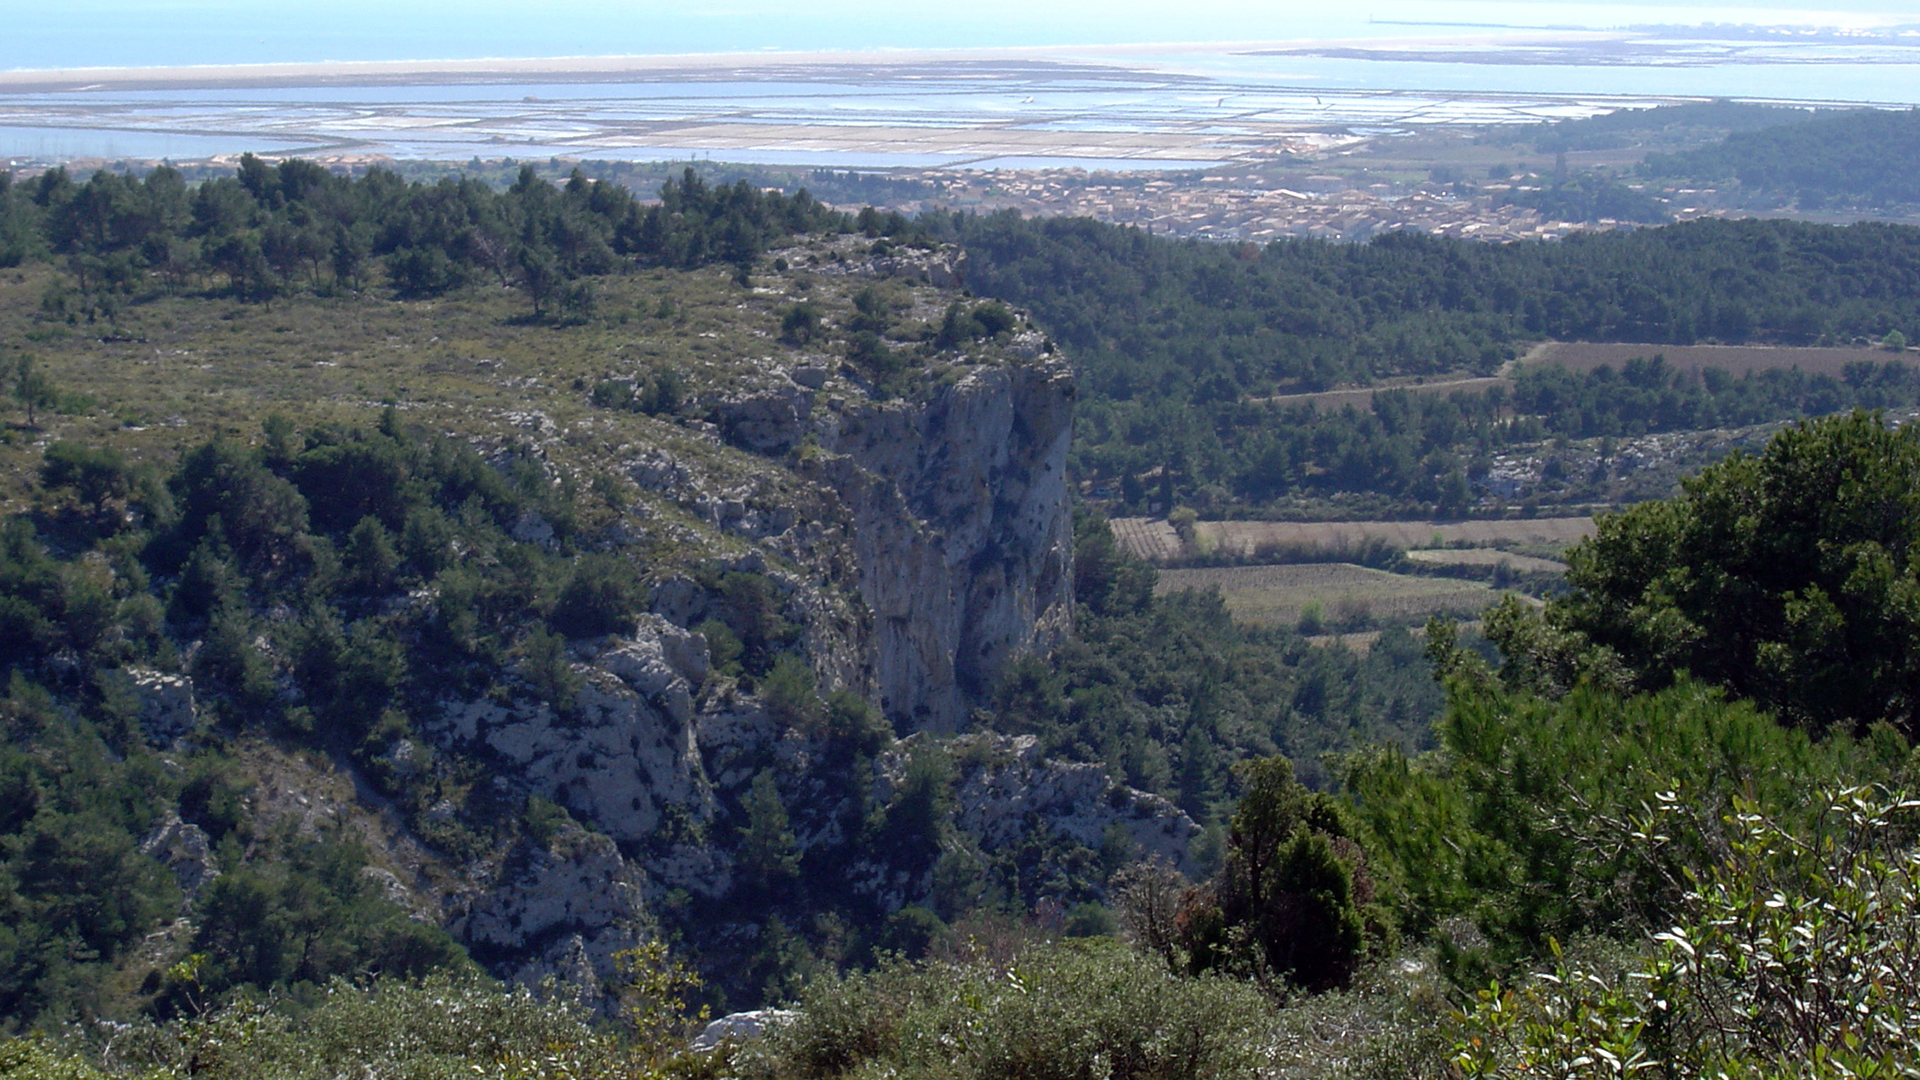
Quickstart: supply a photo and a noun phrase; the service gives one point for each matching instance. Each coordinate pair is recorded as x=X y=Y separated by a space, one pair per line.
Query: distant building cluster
x=1236 y=208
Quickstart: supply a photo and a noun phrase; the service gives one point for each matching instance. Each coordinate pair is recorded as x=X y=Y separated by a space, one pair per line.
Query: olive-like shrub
x=1080 y=1008
x=1797 y=955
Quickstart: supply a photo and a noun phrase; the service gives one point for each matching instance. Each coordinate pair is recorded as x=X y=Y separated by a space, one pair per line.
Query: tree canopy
x=1788 y=577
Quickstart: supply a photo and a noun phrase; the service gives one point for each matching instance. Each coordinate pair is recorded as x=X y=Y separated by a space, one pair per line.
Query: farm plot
x=1250 y=537
x=1585 y=356
x=1151 y=539
x=1735 y=359
x=1362 y=641
x=1346 y=594
x=1362 y=398
x=1486 y=557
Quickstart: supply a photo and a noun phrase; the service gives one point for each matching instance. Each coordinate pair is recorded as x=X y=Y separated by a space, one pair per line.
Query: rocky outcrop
x=626 y=749
x=1007 y=790
x=944 y=267
x=185 y=849
x=562 y=908
x=954 y=504
x=167 y=707
x=919 y=544
x=962 y=532
x=740 y=1027
x=999 y=801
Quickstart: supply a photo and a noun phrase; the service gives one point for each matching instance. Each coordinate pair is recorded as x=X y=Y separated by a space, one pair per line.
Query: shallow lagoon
x=1182 y=107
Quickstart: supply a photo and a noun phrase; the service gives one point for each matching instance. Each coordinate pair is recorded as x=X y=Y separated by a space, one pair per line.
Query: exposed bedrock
x=962 y=530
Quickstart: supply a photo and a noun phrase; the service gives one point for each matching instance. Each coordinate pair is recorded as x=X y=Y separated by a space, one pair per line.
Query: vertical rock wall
x=962 y=529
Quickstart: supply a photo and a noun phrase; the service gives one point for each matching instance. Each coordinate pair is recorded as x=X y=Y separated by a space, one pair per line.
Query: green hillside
x=1861 y=158
x=457 y=632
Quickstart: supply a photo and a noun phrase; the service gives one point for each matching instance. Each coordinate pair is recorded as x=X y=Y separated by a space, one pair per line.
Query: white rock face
x=663 y=662
x=962 y=531
x=564 y=908
x=998 y=800
x=578 y=880
x=767 y=420
x=740 y=1027
x=167 y=708
x=626 y=751
x=701 y=870
x=956 y=510
x=949 y=518
x=185 y=849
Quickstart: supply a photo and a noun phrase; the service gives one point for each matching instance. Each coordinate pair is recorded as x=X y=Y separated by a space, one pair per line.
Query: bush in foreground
x=1798 y=955
x=1082 y=1008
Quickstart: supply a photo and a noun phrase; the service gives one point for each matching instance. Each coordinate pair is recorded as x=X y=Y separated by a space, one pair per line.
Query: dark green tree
x=33 y=389
x=769 y=859
x=1295 y=899
x=1791 y=577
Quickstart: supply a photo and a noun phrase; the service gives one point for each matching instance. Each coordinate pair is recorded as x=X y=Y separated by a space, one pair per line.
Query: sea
x=1200 y=80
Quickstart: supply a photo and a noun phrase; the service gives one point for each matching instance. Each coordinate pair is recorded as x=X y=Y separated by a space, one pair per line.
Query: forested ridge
x=1858 y=158
x=276 y=228
x=1180 y=343
x=1626 y=127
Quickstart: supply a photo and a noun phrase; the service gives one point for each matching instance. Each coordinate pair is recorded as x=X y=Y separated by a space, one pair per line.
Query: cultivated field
x=1151 y=539
x=1347 y=594
x=1331 y=400
x=1486 y=557
x=1585 y=356
x=1362 y=641
x=1154 y=540
x=1247 y=537
x=1737 y=359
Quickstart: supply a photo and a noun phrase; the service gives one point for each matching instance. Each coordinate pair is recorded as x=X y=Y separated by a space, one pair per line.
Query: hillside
x=703 y=606
x=1195 y=354
x=369 y=571
x=1857 y=159
x=707 y=621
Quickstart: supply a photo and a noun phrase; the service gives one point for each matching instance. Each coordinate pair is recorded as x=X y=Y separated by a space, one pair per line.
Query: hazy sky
x=74 y=33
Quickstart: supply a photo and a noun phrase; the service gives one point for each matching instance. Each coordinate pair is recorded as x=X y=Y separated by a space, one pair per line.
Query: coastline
x=668 y=66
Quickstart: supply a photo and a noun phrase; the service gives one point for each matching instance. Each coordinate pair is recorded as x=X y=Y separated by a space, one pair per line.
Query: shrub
x=1069 y=1010
x=442 y=1026
x=788 y=691
x=95 y=474
x=800 y=324
x=603 y=596
x=1796 y=955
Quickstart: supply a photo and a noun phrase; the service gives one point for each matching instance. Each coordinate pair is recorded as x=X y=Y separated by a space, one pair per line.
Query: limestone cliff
x=962 y=530
x=953 y=504
x=918 y=542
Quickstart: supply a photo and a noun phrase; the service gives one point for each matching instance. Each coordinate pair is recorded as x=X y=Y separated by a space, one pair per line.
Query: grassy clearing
x=173 y=371
x=168 y=372
x=1348 y=596
x=1736 y=359
x=1334 y=400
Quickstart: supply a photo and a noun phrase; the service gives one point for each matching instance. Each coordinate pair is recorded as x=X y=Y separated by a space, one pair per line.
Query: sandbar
x=647 y=68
